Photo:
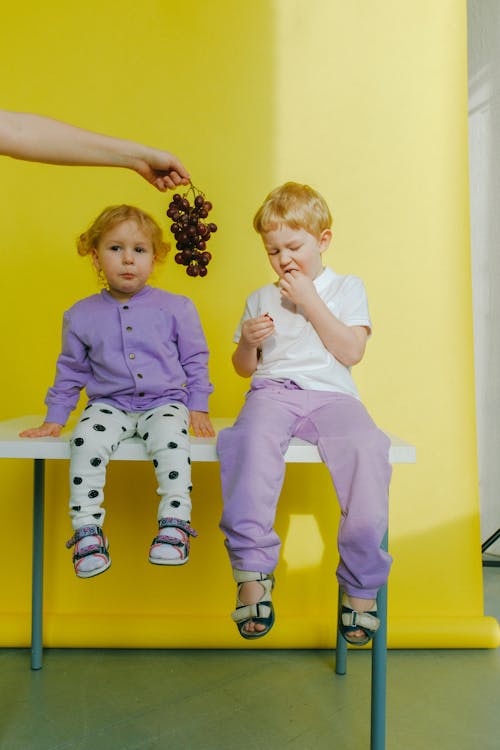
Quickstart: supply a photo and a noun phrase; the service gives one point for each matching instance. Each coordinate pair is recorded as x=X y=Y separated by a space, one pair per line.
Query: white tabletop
x=132 y=449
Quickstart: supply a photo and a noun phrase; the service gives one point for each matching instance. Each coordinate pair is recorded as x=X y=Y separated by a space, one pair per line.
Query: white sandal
x=262 y=612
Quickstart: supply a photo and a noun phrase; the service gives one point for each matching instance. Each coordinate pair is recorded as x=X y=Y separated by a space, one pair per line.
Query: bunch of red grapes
x=188 y=213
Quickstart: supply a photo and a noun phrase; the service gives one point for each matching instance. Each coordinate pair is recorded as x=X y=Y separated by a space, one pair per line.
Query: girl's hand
x=255 y=330
x=200 y=424
x=298 y=288
x=47 y=429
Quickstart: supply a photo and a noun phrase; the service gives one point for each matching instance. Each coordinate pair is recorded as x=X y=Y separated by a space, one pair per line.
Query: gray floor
x=241 y=700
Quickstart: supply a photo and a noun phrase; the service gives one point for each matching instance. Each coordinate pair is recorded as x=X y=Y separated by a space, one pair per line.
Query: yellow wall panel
x=366 y=102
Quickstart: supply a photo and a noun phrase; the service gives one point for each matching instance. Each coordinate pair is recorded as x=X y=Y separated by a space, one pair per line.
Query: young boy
x=298 y=339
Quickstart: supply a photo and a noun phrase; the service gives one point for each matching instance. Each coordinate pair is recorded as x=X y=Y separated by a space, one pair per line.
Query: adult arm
x=33 y=137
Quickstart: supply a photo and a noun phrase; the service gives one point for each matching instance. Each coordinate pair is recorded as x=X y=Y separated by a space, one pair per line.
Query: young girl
x=141 y=354
x=298 y=339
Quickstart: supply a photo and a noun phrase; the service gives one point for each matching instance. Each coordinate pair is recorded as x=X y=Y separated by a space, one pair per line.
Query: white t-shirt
x=295 y=351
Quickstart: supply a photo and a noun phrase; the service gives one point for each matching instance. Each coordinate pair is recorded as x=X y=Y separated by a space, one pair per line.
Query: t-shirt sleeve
x=354 y=308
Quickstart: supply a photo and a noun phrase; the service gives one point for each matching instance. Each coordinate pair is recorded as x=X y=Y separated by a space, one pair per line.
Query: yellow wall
x=366 y=102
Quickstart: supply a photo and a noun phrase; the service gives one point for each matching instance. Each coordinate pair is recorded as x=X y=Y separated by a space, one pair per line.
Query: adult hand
x=161 y=169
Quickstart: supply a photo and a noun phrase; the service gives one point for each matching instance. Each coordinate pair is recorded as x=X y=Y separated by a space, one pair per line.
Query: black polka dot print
x=172 y=445
x=99 y=428
x=78 y=441
x=77 y=480
x=92 y=494
x=95 y=461
x=173 y=475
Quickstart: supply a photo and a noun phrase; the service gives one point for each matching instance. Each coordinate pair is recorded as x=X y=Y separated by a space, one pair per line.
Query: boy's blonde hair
x=298 y=206
x=113 y=215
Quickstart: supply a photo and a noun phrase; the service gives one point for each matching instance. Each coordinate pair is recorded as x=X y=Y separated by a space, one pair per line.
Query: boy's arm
x=253 y=332
x=346 y=343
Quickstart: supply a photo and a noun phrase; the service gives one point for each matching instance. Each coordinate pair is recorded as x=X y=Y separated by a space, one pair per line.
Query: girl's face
x=295 y=250
x=125 y=255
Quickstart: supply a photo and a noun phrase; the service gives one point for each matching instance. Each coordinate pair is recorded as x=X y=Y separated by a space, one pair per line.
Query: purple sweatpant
x=356 y=453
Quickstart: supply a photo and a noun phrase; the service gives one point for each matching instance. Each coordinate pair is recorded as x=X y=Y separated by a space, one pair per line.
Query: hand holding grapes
x=255 y=330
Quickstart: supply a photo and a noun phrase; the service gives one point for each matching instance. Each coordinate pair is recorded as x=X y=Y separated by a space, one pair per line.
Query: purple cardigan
x=134 y=355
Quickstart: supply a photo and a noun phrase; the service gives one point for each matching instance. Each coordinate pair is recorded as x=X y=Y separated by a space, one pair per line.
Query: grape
x=191 y=233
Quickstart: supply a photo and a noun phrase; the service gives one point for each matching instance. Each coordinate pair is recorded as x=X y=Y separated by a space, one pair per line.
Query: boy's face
x=295 y=250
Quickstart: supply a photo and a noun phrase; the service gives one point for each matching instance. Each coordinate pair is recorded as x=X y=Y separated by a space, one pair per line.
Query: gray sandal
x=97 y=550
x=179 y=543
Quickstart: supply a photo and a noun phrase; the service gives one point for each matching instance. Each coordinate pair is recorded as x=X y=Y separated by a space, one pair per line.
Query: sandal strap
x=92 y=549
x=261 y=610
x=84 y=531
x=172 y=540
x=242 y=576
x=176 y=523
x=360 y=620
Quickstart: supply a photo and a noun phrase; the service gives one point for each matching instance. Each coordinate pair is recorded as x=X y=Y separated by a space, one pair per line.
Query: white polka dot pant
x=165 y=431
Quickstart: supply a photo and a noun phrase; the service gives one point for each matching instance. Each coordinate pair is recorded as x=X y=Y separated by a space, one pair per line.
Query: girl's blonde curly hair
x=113 y=215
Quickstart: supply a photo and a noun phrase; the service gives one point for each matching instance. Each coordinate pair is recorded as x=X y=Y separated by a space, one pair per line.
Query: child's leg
x=252 y=472
x=356 y=453
x=165 y=431
x=96 y=436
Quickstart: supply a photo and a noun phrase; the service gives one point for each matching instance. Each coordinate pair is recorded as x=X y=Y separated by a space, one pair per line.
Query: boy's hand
x=255 y=330
x=200 y=424
x=47 y=429
x=298 y=288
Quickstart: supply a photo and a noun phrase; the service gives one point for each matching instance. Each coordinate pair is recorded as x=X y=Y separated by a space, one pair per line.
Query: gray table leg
x=379 y=670
x=379 y=675
x=341 y=646
x=37 y=572
x=379 y=667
